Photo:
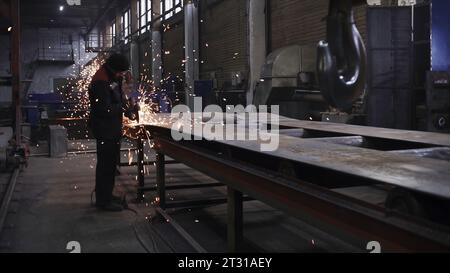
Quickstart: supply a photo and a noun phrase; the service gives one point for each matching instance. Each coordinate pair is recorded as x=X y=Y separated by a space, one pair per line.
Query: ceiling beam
x=101 y=16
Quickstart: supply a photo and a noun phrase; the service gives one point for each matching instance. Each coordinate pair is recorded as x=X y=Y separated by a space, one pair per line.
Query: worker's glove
x=132 y=110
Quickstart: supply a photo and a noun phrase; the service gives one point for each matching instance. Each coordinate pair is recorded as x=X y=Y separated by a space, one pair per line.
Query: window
x=179 y=8
x=101 y=41
x=126 y=26
x=168 y=5
x=144 y=14
x=112 y=31
x=127 y=23
x=149 y=11
x=145 y=11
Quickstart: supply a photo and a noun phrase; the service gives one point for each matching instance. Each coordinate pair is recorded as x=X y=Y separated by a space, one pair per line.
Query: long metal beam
x=181 y=231
x=418 y=137
x=425 y=175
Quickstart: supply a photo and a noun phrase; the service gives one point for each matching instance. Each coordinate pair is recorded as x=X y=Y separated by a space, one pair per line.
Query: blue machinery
x=440 y=35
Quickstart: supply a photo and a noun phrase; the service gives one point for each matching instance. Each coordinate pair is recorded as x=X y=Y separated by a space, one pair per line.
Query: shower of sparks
x=75 y=95
x=76 y=98
x=76 y=92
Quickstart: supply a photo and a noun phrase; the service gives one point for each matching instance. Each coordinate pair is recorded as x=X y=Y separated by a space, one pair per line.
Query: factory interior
x=246 y=126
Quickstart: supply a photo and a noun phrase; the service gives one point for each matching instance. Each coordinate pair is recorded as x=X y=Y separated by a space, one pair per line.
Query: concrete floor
x=52 y=206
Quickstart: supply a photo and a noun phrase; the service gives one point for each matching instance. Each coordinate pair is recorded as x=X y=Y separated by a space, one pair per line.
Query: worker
x=109 y=102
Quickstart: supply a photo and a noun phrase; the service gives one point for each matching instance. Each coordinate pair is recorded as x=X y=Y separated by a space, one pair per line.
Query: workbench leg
x=235 y=220
x=161 y=179
x=140 y=167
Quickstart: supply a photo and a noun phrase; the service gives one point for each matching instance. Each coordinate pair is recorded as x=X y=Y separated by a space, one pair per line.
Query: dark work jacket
x=107 y=106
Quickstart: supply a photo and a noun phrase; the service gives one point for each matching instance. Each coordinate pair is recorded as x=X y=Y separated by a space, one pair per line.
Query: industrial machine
x=408 y=64
x=288 y=79
x=406 y=70
x=12 y=155
x=319 y=82
x=438 y=101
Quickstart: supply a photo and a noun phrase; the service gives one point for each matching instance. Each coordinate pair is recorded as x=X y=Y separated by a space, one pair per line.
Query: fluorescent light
x=9 y=29
x=61 y=8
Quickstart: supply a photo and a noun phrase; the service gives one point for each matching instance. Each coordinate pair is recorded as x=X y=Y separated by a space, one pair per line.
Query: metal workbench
x=314 y=158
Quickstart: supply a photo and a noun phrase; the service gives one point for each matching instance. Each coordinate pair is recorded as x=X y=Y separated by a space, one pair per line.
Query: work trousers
x=106 y=170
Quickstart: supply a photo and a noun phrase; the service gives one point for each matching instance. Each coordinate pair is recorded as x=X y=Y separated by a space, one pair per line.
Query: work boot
x=117 y=199
x=120 y=200
x=112 y=206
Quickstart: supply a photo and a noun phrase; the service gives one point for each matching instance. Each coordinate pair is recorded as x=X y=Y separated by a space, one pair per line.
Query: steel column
x=191 y=44
x=157 y=47
x=134 y=16
x=15 y=66
x=118 y=27
x=257 y=47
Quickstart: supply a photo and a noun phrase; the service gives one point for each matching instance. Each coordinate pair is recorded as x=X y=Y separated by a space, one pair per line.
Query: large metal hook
x=341 y=63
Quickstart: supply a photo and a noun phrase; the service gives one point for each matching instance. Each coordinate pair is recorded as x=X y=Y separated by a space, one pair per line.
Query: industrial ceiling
x=58 y=13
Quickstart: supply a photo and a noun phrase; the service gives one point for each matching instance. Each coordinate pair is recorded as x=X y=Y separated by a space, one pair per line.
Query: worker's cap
x=118 y=62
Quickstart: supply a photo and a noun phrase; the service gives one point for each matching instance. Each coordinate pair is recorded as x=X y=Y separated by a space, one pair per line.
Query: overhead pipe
x=341 y=63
